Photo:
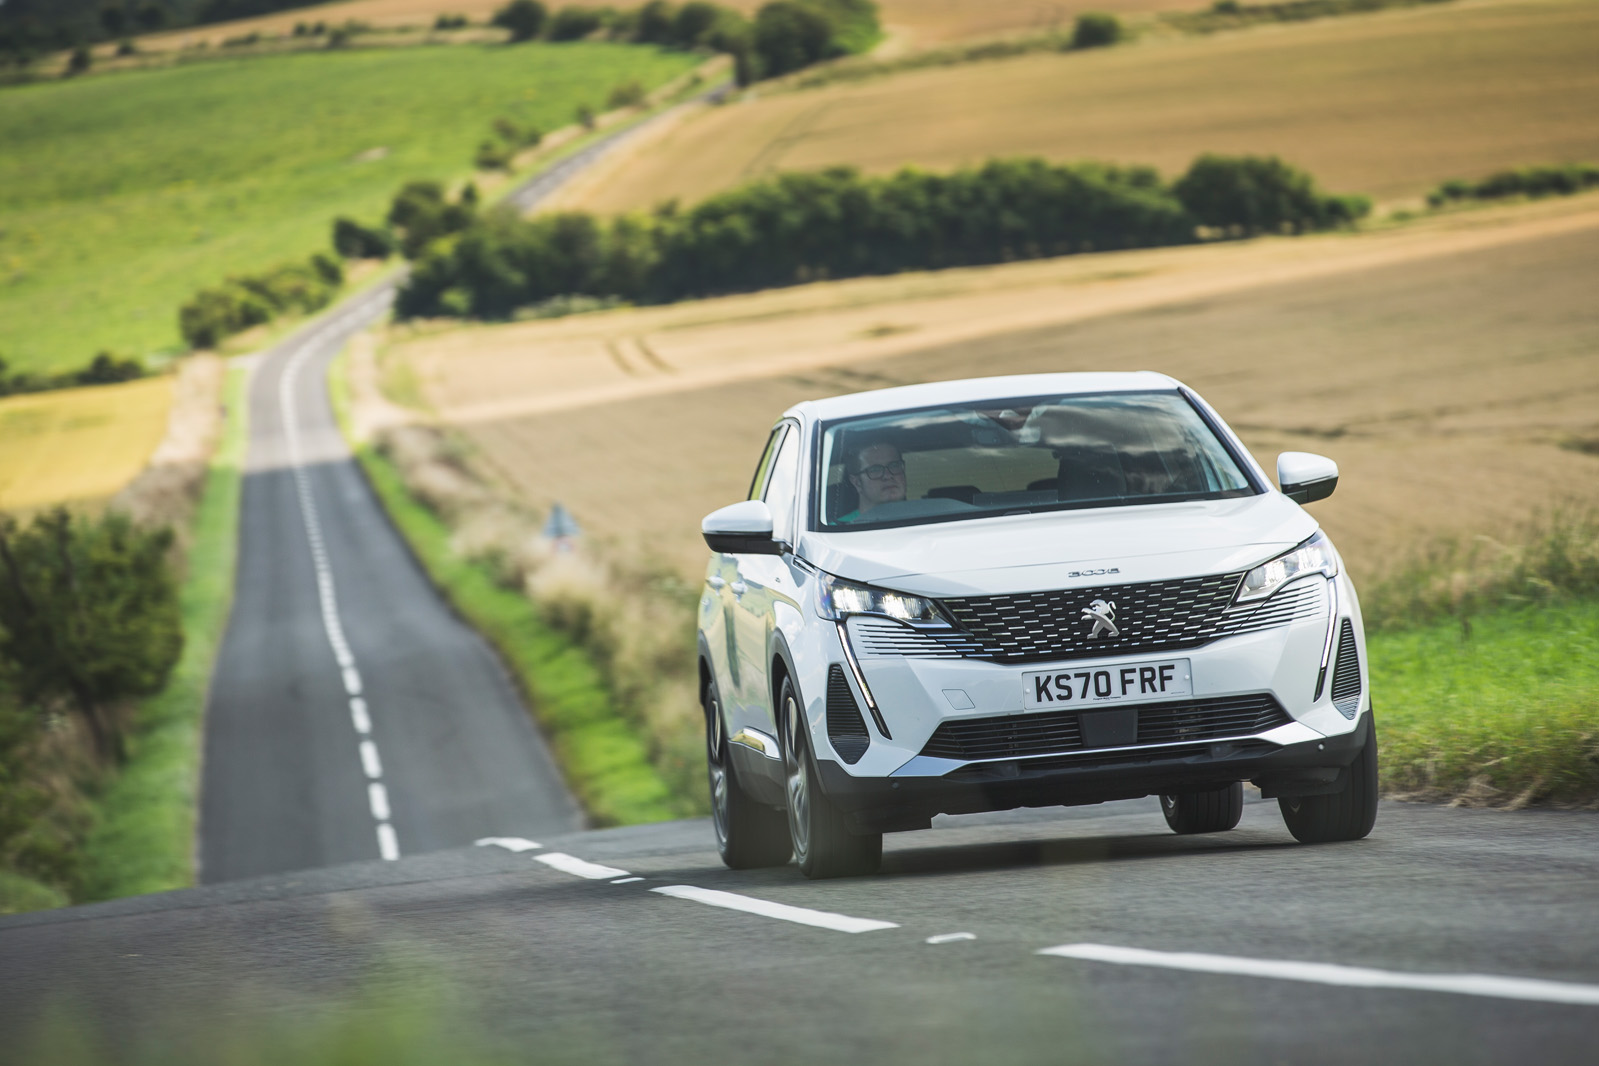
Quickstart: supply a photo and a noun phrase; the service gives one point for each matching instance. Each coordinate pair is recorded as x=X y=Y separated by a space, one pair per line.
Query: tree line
x=103 y=369
x=837 y=223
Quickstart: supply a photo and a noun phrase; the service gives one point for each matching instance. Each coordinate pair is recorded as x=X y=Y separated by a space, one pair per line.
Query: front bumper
x=888 y=804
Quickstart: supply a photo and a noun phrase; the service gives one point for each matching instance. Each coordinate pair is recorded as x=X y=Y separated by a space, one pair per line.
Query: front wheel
x=1345 y=815
x=749 y=835
x=823 y=841
x=1204 y=812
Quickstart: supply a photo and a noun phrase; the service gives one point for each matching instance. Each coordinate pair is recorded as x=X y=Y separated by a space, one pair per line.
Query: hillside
x=122 y=194
x=1385 y=104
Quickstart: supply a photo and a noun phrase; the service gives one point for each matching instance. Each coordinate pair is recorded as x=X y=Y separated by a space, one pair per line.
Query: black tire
x=1345 y=815
x=749 y=835
x=1204 y=812
x=823 y=843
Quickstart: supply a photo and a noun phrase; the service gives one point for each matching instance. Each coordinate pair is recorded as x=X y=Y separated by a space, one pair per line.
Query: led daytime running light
x=1315 y=556
x=839 y=599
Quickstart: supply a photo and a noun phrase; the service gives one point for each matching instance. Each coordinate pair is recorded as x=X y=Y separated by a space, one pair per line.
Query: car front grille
x=1154 y=616
x=1017 y=735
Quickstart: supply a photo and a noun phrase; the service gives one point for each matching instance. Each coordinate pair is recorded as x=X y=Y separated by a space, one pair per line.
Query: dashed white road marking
x=388 y=846
x=517 y=844
x=327 y=595
x=358 y=715
x=950 y=938
x=378 y=797
x=842 y=923
x=571 y=864
x=1465 y=984
x=626 y=880
x=369 y=759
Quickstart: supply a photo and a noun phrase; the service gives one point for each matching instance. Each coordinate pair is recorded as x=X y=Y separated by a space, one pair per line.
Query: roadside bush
x=517 y=135
x=789 y=35
x=1243 y=195
x=523 y=18
x=88 y=615
x=254 y=299
x=355 y=241
x=492 y=155
x=1096 y=29
x=103 y=369
x=1533 y=182
x=451 y=22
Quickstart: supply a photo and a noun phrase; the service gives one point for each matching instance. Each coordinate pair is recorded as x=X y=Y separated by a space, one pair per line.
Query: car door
x=717 y=608
x=763 y=581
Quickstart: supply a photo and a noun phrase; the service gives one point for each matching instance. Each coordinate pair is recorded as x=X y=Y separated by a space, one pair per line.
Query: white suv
x=1024 y=591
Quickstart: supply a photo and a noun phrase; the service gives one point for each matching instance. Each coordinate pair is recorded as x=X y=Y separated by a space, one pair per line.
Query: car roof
x=933 y=393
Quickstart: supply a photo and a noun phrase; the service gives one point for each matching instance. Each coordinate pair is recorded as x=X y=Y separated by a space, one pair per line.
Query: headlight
x=840 y=598
x=1315 y=556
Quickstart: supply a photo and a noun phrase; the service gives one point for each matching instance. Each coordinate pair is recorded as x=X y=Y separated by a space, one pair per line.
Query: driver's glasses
x=878 y=471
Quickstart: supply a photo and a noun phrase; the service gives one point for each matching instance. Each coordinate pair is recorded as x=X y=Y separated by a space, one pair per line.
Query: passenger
x=877 y=471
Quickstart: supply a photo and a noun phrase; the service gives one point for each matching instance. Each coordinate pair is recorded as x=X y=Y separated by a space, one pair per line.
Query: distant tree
x=585 y=116
x=107 y=369
x=655 y=23
x=114 y=17
x=88 y=615
x=573 y=23
x=80 y=61
x=790 y=35
x=1095 y=29
x=524 y=18
x=152 y=16
x=693 y=22
x=422 y=214
x=127 y=48
x=1261 y=194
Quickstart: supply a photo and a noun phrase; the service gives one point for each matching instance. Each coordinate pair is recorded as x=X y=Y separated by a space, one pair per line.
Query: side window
x=779 y=495
x=758 y=482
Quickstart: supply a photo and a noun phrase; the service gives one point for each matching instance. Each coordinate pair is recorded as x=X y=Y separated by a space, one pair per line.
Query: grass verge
x=1503 y=711
x=606 y=762
x=143 y=839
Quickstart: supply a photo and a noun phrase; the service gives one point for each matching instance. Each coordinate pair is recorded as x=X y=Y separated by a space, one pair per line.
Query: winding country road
x=381 y=824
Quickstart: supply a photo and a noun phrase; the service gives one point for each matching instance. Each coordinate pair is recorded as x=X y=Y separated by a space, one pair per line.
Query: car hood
x=1065 y=549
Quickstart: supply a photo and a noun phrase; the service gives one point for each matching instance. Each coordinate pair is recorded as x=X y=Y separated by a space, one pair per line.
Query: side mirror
x=741 y=529
x=1306 y=478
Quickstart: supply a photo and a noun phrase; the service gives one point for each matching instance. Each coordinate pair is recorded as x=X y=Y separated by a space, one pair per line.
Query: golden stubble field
x=79 y=445
x=1385 y=104
x=1451 y=367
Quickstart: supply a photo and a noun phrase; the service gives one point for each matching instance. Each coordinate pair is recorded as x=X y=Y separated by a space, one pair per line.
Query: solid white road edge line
x=571 y=864
x=517 y=844
x=842 y=923
x=1465 y=984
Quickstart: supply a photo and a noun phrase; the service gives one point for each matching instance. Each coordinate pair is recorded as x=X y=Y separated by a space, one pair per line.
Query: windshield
x=1021 y=455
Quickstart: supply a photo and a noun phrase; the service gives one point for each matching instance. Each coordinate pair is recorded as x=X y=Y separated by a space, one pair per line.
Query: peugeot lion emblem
x=1103 y=615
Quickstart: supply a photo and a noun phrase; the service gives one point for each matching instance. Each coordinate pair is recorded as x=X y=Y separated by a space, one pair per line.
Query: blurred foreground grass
x=122 y=194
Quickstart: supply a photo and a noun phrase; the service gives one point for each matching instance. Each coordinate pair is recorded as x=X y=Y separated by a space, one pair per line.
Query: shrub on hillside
x=422 y=213
x=1559 y=180
x=1242 y=195
x=1095 y=29
x=628 y=94
x=88 y=615
x=355 y=241
x=523 y=18
x=254 y=299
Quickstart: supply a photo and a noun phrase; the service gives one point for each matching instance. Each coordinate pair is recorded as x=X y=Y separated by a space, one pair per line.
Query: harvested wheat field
x=79 y=445
x=1451 y=368
x=1385 y=104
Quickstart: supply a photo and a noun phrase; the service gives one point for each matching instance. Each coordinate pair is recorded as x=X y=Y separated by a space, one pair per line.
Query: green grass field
x=1505 y=713
x=122 y=194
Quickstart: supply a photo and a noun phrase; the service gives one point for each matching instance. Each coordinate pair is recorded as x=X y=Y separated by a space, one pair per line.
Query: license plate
x=1106 y=684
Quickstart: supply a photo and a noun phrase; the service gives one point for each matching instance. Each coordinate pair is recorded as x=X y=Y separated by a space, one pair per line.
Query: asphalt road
x=351 y=715
x=520 y=952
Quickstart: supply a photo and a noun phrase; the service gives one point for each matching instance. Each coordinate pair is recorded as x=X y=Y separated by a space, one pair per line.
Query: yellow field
x=1385 y=104
x=1447 y=366
x=78 y=445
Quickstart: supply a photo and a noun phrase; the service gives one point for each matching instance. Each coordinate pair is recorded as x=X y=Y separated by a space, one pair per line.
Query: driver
x=877 y=471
